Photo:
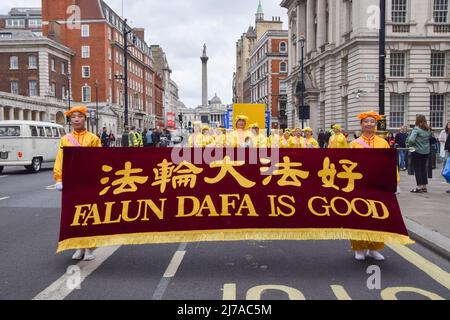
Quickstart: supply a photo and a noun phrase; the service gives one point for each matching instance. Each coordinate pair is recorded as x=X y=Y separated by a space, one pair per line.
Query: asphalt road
x=275 y=270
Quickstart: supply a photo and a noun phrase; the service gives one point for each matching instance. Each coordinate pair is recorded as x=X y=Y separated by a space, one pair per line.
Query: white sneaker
x=375 y=255
x=398 y=191
x=88 y=255
x=360 y=255
x=78 y=255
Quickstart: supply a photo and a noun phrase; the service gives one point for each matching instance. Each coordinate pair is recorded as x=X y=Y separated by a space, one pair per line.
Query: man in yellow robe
x=80 y=137
x=368 y=140
x=337 y=140
x=311 y=143
x=285 y=139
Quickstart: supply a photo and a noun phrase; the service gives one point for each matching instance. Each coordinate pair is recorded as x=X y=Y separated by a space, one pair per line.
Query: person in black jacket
x=105 y=138
x=400 y=142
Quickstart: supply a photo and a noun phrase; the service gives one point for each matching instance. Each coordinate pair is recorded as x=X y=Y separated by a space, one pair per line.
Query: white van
x=28 y=143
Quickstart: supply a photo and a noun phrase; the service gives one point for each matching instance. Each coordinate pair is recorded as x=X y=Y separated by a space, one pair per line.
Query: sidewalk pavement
x=427 y=215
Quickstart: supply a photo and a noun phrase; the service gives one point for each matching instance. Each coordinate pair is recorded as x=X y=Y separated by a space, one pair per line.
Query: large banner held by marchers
x=163 y=195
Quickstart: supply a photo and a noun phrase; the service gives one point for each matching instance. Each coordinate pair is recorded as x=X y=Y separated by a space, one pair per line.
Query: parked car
x=28 y=143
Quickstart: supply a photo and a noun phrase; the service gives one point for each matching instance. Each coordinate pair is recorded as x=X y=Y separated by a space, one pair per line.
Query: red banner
x=115 y=196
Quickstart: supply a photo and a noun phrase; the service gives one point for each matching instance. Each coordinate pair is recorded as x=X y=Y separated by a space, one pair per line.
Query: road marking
x=60 y=289
x=170 y=272
x=4 y=198
x=51 y=187
x=340 y=292
x=423 y=264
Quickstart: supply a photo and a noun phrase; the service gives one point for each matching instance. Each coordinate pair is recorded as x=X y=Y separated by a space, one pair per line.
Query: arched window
x=283 y=67
x=282 y=46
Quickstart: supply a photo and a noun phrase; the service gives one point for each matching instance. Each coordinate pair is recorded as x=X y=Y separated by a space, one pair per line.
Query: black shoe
x=417 y=190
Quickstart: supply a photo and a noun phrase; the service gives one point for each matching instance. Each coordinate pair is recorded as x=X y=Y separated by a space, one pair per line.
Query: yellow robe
x=221 y=141
x=284 y=143
x=196 y=140
x=236 y=139
x=274 y=141
x=85 y=139
x=377 y=143
x=338 y=141
x=312 y=143
x=297 y=142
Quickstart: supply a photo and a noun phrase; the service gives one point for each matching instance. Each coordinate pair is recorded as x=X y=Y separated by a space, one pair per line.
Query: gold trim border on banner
x=232 y=235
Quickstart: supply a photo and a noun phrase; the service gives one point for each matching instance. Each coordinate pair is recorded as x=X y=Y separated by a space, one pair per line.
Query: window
x=397 y=111
x=35 y=23
x=109 y=54
x=41 y=131
x=53 y=89
x=283 y=88
x=86 y=72
x=14 y=63
x=63 y=92
x=55 y=132
x=109 y=34
x=399 y=11
x=63 y=68
x=283 y=67
x=438 y=64
x=86 y=94
x=9 y=131
x=5 y=35
x=62 y=132
x=85 y=52
x=84 y=30
x=398 y=64
x=15 y=23
x=34 y=132
x=48 y=132
x=283 y=47
x=32 y=86
x=15 y=87
x=322 y=78
x=52 y=63
x=32 y=62
x=437 y=111
x=440 y=11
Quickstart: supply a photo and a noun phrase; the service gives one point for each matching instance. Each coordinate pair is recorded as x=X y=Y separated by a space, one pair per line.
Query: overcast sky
x=181 y=27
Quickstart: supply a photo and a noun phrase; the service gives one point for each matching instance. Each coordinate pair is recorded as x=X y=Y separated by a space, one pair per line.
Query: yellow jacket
x=237 y=138
x=338 y=141
x=285 y=143
x=259 y=140
x=375 y=142
x=85 y=139
x=196 y=140
x=274 y=141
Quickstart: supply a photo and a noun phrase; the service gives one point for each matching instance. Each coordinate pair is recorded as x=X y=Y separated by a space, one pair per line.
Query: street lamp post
x=69 y=78
x=96 y=105
x=301 y=108
x=382 y=63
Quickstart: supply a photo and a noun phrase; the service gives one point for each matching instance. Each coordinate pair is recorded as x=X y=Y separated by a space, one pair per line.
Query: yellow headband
x=80 y=109
x=338 y=127
x=308 y=129
x=241 y=117
x=254 y=126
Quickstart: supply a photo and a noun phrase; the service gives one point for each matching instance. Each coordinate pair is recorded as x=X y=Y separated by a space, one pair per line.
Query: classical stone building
x=341 y=60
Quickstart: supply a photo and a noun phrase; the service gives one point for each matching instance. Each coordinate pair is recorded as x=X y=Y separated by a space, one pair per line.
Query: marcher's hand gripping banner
x=148 y=195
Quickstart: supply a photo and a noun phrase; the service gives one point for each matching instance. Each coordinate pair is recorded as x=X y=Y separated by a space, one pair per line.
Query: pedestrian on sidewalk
x=368 y=140
x=400 y=141
x=419 y=140
x=80 y=137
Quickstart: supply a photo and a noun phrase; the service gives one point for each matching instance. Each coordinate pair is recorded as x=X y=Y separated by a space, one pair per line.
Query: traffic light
x=180 y=118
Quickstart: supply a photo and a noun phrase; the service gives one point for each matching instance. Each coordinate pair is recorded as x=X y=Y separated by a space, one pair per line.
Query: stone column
x=321 y=23
x=204 y=59
x=310 y=26
x=20 y=114
x=11 y=114
x=1 y=113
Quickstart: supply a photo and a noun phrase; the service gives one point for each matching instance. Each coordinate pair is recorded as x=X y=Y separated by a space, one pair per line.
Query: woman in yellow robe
x=284 y=140
x=368 y=140
x=258 y=139
x=196 y=139
x=238 y=138
x=80 y=137
x=337 y=140
x=274 y=139
x=311 y=143
x=297 y=141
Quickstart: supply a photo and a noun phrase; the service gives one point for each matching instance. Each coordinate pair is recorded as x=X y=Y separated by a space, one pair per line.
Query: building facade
x=244 y=48
x=35 y=67
x=268 y=67
x=96 y=34
x=341 y=61
x=24 y=19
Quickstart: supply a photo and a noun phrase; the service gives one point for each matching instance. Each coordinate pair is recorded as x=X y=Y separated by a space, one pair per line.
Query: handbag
x=446 y=171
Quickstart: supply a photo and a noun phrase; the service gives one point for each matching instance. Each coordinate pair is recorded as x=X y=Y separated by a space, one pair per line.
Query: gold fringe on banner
x=232 y=235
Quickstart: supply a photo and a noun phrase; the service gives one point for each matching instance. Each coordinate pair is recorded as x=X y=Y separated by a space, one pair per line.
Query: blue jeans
x=402 y=156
